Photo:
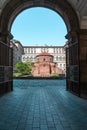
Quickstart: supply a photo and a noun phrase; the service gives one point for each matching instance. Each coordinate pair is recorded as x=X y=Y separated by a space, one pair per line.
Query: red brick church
x=44 y=66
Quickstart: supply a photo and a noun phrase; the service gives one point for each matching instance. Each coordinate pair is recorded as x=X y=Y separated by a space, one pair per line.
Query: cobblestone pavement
x=42 y=105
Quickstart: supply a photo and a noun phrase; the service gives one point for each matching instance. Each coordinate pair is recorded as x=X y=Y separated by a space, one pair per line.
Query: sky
x=39 y=26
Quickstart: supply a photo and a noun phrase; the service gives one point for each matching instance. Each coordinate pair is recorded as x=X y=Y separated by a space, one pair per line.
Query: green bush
x=54 y=74
x=24 y=68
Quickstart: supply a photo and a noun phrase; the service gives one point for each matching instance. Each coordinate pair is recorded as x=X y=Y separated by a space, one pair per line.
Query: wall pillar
x=6 y=63
x=83 y=60
x=6 y=37
x=72 y=63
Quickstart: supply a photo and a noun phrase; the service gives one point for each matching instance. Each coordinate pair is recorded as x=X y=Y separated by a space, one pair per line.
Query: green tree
x=30 y=65
x=22 y=67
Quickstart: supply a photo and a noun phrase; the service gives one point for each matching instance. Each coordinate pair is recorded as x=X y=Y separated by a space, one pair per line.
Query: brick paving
x=42 y=105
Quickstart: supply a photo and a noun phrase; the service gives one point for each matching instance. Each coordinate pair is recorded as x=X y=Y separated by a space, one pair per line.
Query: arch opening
x=39 y=26
x=13 y=8
x=41 y=31
x=63 y=8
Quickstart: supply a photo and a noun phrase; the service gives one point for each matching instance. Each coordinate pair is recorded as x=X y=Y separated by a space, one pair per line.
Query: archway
x=13 y=7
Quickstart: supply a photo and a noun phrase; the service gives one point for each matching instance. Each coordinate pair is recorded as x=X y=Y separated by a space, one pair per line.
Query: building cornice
x=43 y=46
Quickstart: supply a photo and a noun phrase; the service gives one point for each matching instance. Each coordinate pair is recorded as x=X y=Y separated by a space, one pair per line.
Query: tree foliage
x=30 y=65
x=24 y=68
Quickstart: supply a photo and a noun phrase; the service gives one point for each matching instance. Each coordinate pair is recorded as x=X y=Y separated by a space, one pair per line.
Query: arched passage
x=12 y=8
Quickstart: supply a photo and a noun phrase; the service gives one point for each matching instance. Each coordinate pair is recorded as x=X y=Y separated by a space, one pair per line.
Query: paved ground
x=42 y=105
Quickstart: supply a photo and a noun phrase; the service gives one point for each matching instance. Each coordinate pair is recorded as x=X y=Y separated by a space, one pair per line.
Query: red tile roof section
x=44 y=54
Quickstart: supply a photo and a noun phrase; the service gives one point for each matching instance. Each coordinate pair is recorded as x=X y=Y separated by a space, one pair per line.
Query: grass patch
x=17 y=74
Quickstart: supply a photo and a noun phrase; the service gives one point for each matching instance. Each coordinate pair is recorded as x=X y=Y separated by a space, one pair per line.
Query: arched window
x=44 y=59
x=44 y=65
x=50 y=59
x=23 y=58
x=60 y=65
x=64 y=58
x=56 y=58
x=60 y=58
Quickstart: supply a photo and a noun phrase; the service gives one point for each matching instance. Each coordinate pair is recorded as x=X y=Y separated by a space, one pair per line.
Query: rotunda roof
x=44 y=54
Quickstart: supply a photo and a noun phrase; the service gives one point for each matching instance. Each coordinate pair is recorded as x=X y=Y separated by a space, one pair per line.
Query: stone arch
x=76 y=47
x=14 y=7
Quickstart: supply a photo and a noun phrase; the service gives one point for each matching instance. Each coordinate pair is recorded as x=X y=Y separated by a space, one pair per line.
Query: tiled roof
x=44 y=54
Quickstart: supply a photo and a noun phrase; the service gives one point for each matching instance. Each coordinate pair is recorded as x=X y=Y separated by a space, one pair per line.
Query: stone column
x=72 y=63
x=6 y=37
x=83 y=60
x=6 y=63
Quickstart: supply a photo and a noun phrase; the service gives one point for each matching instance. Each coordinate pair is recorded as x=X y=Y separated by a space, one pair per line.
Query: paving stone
x=42 y=105
x=28 y=127
x=36 y=128
x=59 y=127
x=43 y=127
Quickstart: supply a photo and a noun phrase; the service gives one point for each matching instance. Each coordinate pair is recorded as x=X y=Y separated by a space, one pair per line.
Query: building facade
x=44 y=66
x=17 y=51
x=58 y=53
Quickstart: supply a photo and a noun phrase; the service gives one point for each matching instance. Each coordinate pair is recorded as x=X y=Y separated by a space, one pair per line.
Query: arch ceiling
x=11 y=8
x=79 y=6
